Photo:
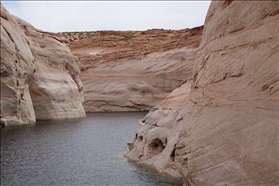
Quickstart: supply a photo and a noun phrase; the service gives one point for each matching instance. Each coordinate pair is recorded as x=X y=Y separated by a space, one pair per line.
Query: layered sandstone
x=157 y=134
x=39 y=75
x=132 y=70
x=229 y=120
x=136 y=84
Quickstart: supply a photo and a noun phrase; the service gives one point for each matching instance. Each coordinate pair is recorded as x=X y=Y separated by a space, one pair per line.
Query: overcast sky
x=59 y=16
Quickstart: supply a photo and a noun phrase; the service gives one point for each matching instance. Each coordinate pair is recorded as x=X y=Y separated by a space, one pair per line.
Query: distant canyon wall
x=39 y=75
x=221 y=129
x=133 y=70
x=136 y=84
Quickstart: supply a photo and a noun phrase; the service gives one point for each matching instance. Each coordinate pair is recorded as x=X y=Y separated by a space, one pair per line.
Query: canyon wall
x=136 y=84
x=226 y=130
x=133 y=70
x=39 y=75
x=157 y=134
x=231 y=133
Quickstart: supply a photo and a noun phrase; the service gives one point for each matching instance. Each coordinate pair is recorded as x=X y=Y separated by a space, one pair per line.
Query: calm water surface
x=77 y=152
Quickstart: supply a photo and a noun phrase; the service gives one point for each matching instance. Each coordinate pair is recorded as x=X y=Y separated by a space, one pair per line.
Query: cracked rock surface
x=39 y=75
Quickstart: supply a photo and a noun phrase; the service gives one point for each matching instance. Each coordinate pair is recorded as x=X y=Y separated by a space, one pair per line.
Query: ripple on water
x=77 y=152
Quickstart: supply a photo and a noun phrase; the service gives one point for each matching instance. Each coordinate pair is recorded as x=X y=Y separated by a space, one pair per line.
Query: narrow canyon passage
x=76 y=152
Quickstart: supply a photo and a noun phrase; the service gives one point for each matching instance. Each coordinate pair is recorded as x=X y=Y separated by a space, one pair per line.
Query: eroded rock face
x=133 y=70
x=39 y=75
x=136 y=84
x=17 y=69
x=55 y=88
x=229 y=133
x=157 y=134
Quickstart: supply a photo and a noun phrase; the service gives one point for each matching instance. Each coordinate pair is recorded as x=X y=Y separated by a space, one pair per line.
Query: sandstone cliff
x=228 y=123
x=39 y=75
x=136 y=84
x=132 y=70
x=157 y=134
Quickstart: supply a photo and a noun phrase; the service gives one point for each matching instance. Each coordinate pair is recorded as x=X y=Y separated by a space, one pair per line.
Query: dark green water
x=77 y=152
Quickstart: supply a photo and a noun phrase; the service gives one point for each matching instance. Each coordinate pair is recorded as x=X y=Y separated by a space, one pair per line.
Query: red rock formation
x=39 y=75
x=229 y=133
x=132 y=70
